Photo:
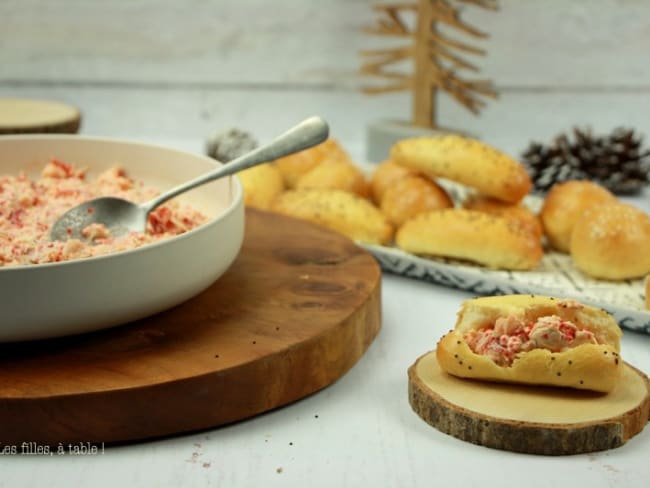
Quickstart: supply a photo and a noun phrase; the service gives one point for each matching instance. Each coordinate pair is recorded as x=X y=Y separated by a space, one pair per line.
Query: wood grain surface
x=534 y=420
x=298 y=308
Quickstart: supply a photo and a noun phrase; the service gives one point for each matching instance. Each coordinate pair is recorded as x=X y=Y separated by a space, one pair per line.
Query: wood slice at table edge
x=518 y=436
x=32 y=116
x=65 y=127
x=160 y=376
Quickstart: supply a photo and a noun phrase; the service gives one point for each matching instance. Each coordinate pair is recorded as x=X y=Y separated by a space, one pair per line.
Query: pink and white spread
x=28 y=208
x=510 y=336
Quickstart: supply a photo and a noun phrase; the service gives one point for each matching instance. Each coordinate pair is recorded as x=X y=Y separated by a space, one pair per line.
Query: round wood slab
x=298 y=308
x=535 y=420
x=25 y=116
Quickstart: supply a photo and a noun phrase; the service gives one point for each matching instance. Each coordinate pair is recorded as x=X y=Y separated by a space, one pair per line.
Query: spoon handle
x=306 y=134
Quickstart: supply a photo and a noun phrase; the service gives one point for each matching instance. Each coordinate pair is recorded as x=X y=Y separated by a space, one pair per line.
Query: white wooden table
x=173 y=72
x=360 y=431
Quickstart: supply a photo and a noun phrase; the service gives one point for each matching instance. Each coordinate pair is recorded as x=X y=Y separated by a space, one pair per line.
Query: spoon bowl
x=121 y=216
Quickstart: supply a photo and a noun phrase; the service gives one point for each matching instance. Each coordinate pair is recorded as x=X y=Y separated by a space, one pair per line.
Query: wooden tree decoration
x=436 y=65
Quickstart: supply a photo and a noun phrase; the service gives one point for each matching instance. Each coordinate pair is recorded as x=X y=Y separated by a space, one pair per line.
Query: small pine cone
x=230 y=144
x=616 y=161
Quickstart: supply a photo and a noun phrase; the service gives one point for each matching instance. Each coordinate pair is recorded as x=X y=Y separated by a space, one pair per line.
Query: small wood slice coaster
x=534 y=420
x=24 y=116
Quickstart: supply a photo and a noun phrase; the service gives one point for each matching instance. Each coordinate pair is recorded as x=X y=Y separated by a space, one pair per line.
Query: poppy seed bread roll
x=413 y=195
x=610 y=242
x=338 y=210
x=294 y=166
x=517 y=211
x=563 y=207
x=262 y=184
x=335 y=175
x=467 y=161
x=385 y=176
x=534 y=340
x=493 y=241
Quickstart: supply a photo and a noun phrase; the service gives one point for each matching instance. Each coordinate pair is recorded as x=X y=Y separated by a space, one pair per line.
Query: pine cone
x=229 y=144
x=617 y=161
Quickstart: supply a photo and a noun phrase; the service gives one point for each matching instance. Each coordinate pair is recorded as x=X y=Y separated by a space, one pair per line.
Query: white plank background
x=182 y=70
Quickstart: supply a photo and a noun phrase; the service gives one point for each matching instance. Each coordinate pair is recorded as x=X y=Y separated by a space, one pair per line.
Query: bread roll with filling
x=493 y=241
x=563 y=206
x=413 y=195
x=467 y=161
x=535 y=340
x=611 y=242
x=338 y=210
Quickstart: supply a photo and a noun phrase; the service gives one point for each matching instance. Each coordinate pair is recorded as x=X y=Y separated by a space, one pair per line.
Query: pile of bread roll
x=322 y=185
x=604 y=236
x=402 y=203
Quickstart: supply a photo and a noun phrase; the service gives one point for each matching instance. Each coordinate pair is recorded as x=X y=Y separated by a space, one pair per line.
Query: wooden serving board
x=535 y=420
x=298 y=308
x=25 y=116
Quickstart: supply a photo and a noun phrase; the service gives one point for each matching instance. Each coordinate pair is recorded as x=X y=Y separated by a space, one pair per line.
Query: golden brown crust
x=467 y=161
x=338 y=210
x=610 y=242
x=587 y=366
x=563 y=206
x=496 y=242
x=335 y=174
x=262 y=184
x=518 y=211
x=386 y=175
x=413 y=195
x=478 y=312
x=294 y=166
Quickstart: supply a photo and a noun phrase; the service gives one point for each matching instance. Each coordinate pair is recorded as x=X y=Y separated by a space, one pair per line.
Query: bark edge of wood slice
x=443 y=401
x=31 y=116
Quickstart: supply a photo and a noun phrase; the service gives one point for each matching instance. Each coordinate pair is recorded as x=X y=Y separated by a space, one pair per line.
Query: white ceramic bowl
x=50 y=300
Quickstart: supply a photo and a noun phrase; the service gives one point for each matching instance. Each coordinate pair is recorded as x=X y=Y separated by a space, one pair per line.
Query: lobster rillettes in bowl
x=52 y=289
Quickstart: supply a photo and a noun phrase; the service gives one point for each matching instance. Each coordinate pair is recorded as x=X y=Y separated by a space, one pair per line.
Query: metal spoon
x=121 y=216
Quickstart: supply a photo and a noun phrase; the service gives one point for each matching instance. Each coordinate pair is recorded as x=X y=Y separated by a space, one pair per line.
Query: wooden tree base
x=382 y=134
x=534 y=420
